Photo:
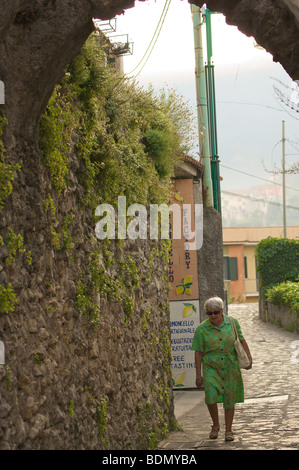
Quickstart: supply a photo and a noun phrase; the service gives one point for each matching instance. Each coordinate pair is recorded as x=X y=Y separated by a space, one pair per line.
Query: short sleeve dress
x=221 y=374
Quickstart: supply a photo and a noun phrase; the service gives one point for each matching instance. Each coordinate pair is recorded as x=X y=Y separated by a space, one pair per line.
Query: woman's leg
x=229 y=416
x=213 y=409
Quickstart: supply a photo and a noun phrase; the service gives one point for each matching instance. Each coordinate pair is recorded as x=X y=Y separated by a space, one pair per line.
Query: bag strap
x=233 y=325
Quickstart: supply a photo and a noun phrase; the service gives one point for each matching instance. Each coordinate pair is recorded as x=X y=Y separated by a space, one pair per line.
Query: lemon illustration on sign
x=188 y=310
x=179 y=290
x=178 y=197
x=184 y=288
x=179 y=380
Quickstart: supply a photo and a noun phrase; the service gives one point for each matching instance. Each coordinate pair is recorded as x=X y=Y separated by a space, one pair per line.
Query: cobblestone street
x=269 y=417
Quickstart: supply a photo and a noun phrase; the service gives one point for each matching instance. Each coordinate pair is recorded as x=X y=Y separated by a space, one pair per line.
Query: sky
x=248 y=109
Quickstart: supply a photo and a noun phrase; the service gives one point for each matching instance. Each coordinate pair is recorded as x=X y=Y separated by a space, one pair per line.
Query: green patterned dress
x=221 y=374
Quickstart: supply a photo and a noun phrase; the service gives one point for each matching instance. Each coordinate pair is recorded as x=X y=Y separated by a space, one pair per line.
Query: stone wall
x=280 y=315
x=87 y=347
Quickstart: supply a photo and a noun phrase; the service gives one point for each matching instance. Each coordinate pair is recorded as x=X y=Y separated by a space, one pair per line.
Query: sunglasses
x=213 y=313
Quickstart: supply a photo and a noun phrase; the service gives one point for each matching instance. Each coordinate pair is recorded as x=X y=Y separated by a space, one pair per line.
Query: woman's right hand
x=199 y=381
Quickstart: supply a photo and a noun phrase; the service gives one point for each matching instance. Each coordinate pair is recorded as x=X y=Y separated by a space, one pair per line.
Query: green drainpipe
x=202 y=108
x=211 y=101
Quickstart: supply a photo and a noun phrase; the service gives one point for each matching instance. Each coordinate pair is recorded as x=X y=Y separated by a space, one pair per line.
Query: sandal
x=214 y=432
x=229 y=436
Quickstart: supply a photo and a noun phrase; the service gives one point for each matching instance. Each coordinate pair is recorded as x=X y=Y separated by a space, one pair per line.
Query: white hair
x=216 y=303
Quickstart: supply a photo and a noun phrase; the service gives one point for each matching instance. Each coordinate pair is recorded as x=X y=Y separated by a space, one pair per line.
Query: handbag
x=243 y=359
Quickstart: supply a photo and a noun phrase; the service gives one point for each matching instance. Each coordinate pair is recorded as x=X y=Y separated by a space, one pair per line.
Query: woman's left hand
x=247 y=350
x=250 y=365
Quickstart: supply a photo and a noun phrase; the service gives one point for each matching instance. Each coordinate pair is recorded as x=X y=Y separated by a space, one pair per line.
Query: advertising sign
x=184 y=319
x=182 y=267
x=184 y=293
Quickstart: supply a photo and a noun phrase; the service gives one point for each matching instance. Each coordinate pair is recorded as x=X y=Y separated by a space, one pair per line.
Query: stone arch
x=273 y=24
x=38 y=39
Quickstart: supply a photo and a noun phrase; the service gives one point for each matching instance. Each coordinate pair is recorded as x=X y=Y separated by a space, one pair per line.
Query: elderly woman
x=215 y=354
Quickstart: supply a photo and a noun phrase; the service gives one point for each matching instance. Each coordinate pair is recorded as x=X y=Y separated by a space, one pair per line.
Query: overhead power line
x=154 y=39
x=250 y=104
x=257 y=177
x=257 y=199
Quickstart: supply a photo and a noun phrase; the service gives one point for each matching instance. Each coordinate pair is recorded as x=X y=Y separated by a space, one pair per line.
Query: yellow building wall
x=251 y=280
x=237 y=288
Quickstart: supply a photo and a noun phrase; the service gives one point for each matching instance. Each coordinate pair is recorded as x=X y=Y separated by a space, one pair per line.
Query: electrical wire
x=258 y=177
x=250 y=104
x=153 y=40
x=160 y=22
x=258 y=200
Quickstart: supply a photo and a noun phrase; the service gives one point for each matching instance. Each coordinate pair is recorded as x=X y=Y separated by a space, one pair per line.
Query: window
x=230 y=268
x=245 y=267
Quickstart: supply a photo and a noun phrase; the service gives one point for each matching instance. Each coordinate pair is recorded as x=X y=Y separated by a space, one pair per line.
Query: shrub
x=277 y=262
x=286 y=293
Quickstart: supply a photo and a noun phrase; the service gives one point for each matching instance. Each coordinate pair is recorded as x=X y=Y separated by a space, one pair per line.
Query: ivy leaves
x=277 y=261
x=127 y=139
x=286 y=293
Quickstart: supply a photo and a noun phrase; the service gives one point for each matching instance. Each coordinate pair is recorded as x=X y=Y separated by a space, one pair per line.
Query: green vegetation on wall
x=127 y=139
x=15 y=248
x=278 y=268
x=286 y=293
x=277 y=261
x=7 y=170
x=119 y=287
